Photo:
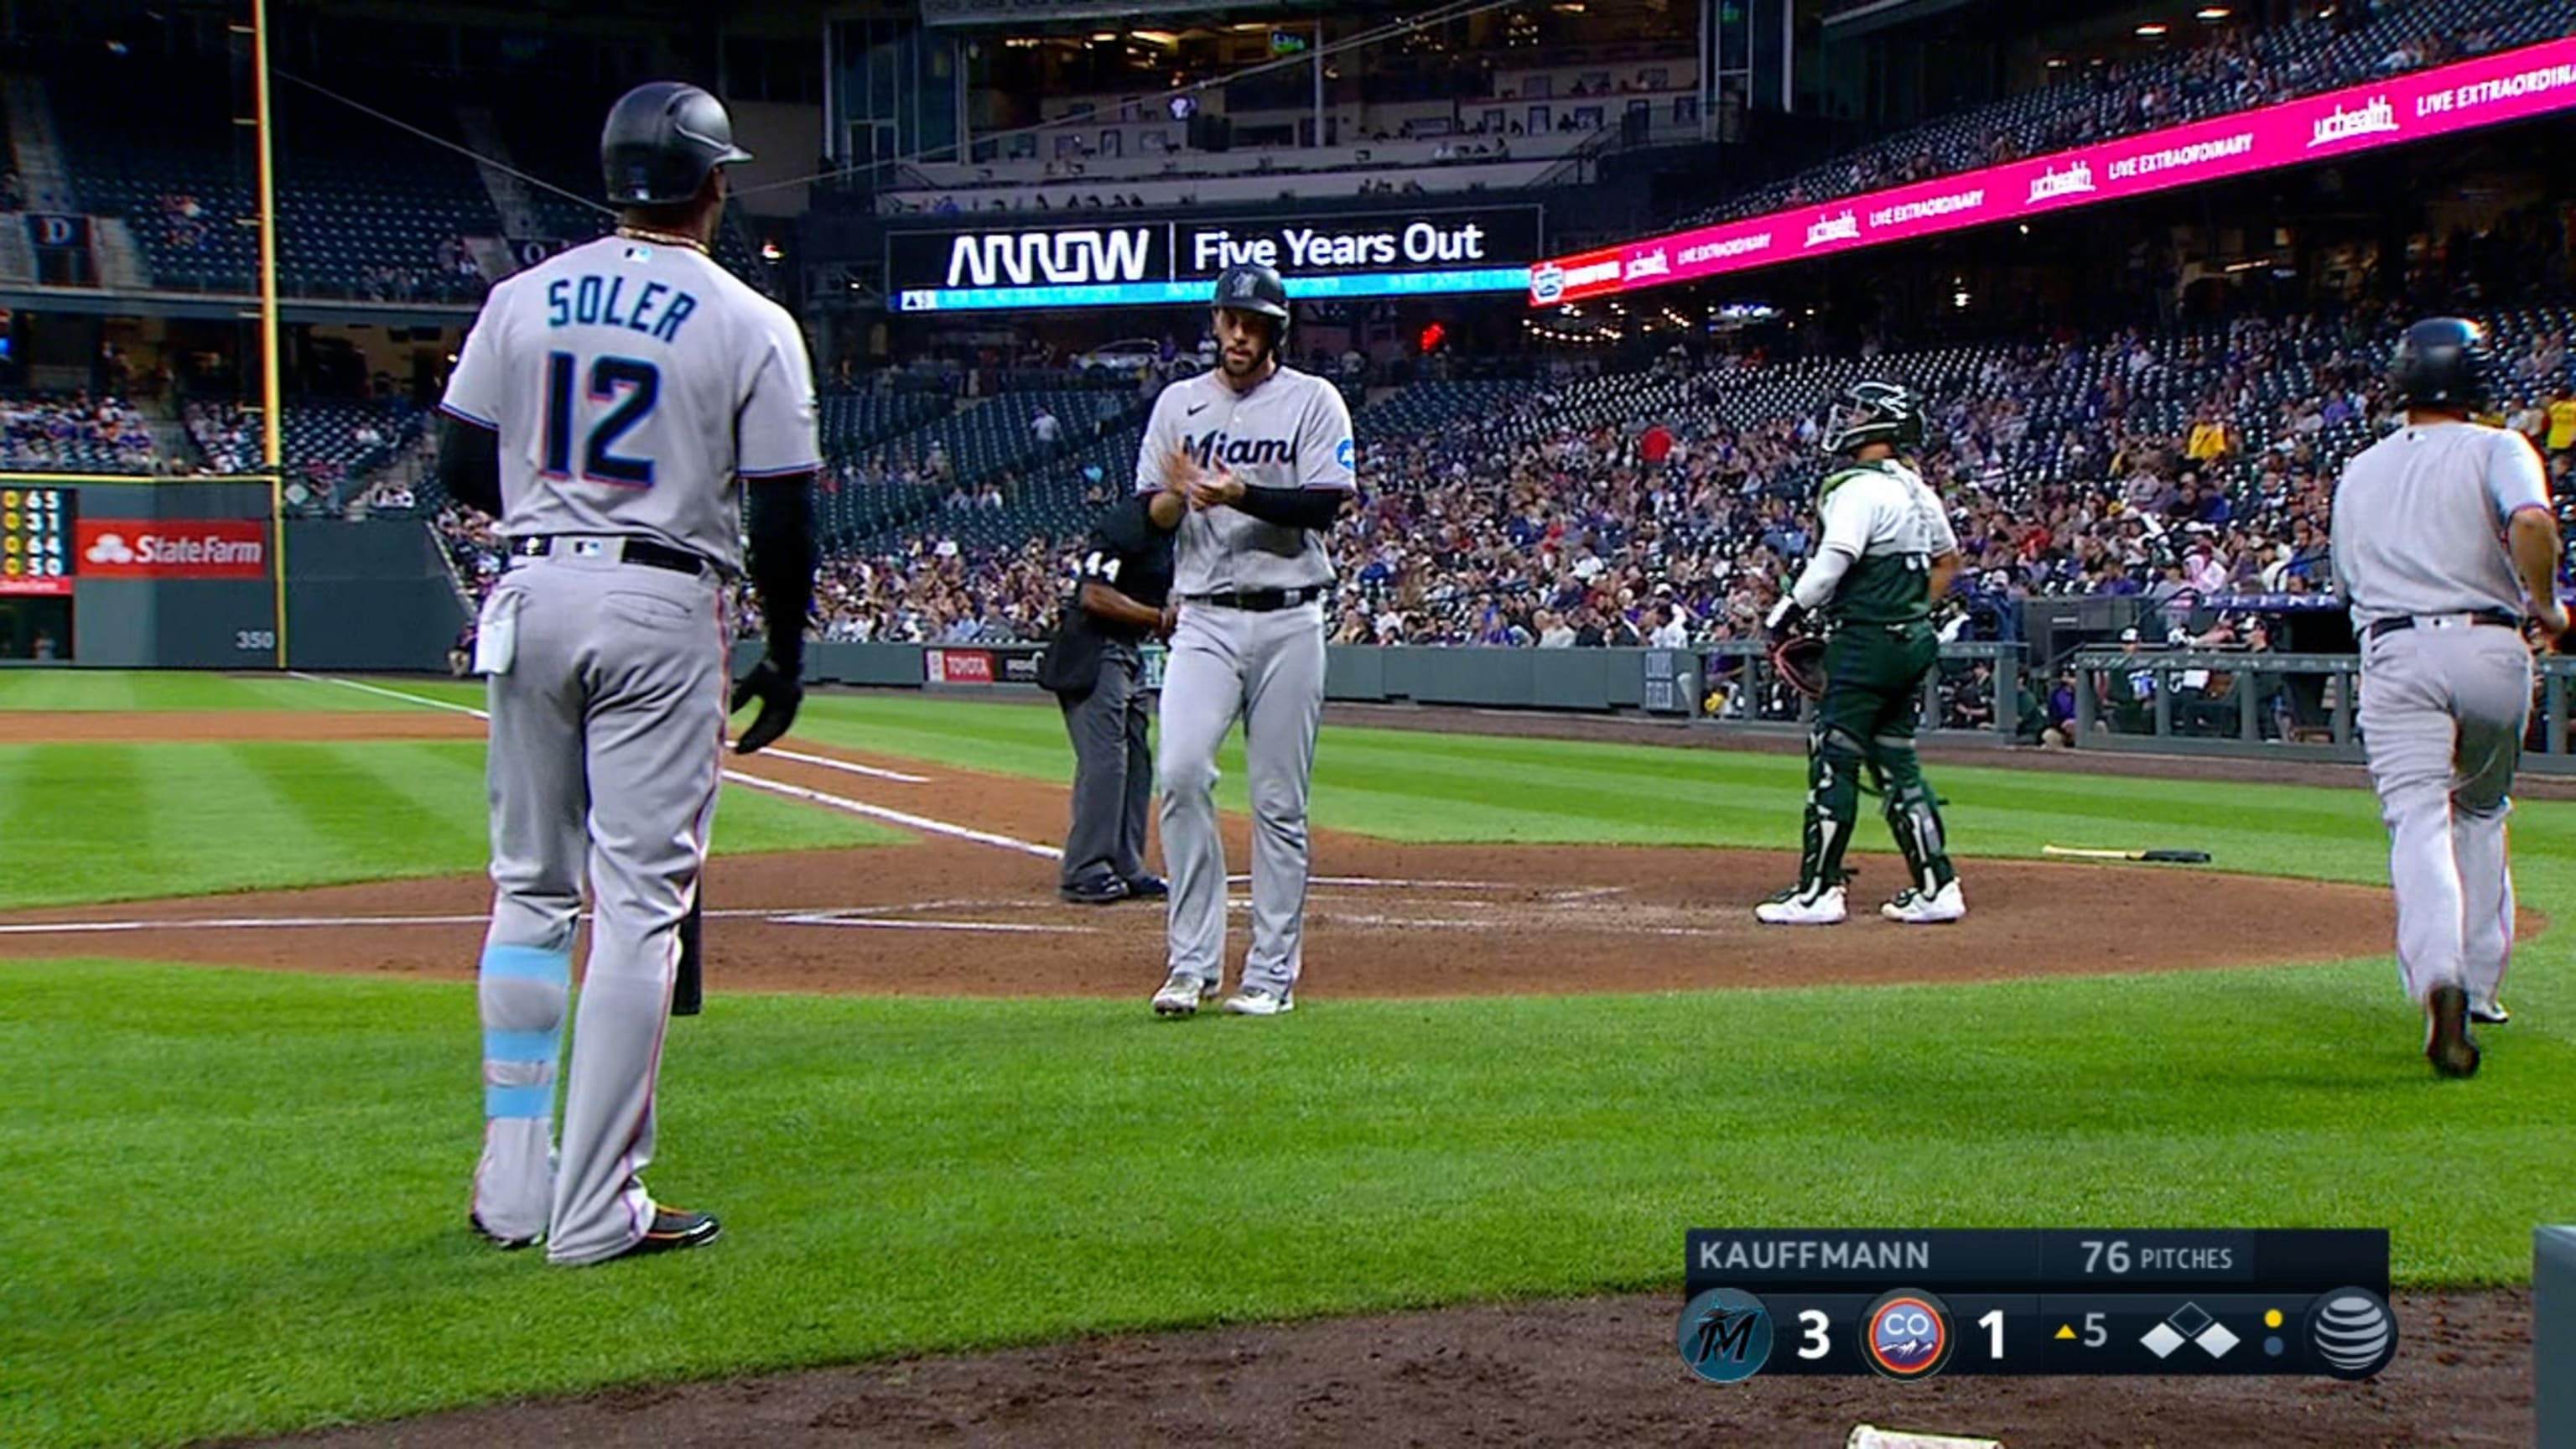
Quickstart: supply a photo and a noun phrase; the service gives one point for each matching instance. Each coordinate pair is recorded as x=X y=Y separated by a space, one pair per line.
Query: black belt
x=629 y=550
x=1259 y=601
x=2497 y=618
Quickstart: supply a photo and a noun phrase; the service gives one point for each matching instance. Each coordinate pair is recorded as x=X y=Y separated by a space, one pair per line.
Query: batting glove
x=779 y=693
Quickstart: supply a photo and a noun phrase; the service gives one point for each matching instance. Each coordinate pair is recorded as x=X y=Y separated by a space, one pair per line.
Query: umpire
x=2442 y=531
x=1096 y=668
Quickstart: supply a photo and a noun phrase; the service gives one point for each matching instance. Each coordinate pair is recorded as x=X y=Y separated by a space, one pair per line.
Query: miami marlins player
x=1886 y=551
x=2442 y=538
x=605 y=404
x=1251 y=463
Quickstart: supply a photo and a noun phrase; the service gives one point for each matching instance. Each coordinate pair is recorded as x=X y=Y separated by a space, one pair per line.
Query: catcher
x=1886 y=551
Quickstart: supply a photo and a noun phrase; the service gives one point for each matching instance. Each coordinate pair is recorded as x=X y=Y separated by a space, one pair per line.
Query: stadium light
x=2153 y=29
x=2212 y=12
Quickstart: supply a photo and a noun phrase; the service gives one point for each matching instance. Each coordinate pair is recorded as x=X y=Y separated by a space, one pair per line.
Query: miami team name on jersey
x=608 y=424
x=593 y=301
x=1291 y=431
x=1217 y=449
x=1892 y=523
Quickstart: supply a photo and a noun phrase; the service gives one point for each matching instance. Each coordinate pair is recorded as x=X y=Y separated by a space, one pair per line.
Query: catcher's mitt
x=1799 y=660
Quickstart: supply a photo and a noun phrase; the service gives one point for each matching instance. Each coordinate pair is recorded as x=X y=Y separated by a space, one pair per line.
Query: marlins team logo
x=1907 y=1335
x=1725 y=1335
x=1344 y=455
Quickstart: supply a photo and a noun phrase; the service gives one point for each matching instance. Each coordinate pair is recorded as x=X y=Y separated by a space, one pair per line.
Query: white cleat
x=1260 y=1001
x=1792 y=907
x=1182 y=995
x=1914 y=908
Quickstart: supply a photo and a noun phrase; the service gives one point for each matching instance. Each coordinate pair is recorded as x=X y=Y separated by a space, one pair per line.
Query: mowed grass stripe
x=81 y=823
x=77 y=690
x=107 y=823
x=919 y=1175
x=365 y=807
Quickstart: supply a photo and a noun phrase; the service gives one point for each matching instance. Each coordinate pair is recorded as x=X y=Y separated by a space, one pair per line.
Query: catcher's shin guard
x=1834 y=763
x=1914 y=818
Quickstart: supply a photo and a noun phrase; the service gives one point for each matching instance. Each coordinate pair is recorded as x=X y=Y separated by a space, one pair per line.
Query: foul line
x=793 y=916
x=382 y=693
x=851 y=766
x=842 y=803
x=897 y=817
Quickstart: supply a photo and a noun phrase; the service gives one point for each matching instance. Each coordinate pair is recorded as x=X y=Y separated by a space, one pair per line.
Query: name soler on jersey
x=593 y=302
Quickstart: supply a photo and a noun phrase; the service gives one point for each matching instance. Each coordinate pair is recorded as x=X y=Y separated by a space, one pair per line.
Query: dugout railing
x=2211 y=701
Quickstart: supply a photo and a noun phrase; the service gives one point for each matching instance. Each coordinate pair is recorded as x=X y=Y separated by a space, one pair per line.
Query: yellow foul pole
x=271 y=442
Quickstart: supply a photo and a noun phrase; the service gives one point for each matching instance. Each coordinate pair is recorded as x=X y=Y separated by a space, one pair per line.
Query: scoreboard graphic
x=1912 y=1303
x=37 y=527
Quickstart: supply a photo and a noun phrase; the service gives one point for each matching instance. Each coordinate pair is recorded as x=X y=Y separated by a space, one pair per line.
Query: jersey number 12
x=632 y=386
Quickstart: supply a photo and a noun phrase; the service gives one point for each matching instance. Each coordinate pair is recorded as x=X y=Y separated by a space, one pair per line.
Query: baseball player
x=605 y=404
x=1886 y=551
x=2442 y=537
x=1251 y=463
x=1122 y=583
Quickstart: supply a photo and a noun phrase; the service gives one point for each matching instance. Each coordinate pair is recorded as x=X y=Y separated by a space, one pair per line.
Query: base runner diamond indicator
x=2216 y=1340
x=2161 y=1340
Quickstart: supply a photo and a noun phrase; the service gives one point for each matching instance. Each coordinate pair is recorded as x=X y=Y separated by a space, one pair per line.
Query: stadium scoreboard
x=37 y=526
x=1913 y=1303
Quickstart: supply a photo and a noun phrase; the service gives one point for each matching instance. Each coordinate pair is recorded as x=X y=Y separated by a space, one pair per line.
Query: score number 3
x=634 y=386
x=1815 y=1341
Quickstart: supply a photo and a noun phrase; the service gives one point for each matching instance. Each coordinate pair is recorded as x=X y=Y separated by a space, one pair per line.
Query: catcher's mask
x=1874 y=412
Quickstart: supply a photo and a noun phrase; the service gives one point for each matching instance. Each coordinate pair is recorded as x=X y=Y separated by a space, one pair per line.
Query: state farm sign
x=172 y=548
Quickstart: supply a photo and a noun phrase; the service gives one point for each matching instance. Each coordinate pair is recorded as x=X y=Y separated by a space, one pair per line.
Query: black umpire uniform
x=1096 y=668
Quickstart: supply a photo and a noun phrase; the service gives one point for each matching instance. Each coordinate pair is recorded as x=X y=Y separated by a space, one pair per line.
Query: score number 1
x=1815 y=1339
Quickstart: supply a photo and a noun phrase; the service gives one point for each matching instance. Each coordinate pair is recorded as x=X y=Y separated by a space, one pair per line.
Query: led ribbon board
x=2511 y=86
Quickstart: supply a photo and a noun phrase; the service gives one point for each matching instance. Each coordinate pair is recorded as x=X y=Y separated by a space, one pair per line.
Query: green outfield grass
x=63 y=690
x=250 y=1187
x=133 y=822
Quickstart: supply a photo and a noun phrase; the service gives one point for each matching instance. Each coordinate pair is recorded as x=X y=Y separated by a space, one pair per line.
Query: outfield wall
x=104 y=574
x=2161 y=701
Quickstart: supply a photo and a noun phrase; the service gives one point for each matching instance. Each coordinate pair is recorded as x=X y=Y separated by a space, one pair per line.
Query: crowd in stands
x=76 y=434
x=1647 y=508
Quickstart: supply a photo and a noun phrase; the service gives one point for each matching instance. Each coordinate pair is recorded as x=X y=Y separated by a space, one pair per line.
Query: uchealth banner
x=2510 y=86
x=172 y=548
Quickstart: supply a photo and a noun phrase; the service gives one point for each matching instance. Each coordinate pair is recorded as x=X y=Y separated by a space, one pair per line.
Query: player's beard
x=1248 y=369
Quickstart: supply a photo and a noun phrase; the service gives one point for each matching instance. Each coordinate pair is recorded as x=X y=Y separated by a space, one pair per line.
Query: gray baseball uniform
x=2445 y=695
x=1249 y=642
x=631 y=385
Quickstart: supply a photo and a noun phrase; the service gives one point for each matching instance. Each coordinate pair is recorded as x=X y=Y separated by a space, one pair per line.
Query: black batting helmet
x=1252 y=287
x=661 y=140
x=2441 y=362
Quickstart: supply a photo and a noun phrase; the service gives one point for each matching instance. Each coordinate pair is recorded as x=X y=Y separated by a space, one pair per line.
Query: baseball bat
x=2172 y=857
x=688 y=986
